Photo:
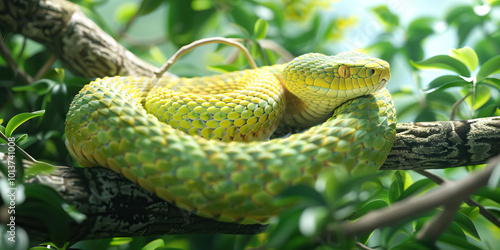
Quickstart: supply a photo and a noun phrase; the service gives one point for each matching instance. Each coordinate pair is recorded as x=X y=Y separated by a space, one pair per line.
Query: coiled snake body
x=166 y=149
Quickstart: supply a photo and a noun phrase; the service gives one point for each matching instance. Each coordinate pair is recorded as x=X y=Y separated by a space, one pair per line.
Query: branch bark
x=83 y=47
x=445 y=144
x=116 y=207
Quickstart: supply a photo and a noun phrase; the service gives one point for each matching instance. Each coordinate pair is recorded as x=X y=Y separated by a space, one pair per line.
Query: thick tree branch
x=83 y=47
x=115 y=207
x=432 y=145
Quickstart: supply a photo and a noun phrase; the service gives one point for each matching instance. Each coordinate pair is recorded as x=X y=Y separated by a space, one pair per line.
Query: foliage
x=432 y=102
x=470 y=88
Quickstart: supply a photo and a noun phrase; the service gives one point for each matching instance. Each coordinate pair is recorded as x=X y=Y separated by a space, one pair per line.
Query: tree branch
x=116 y=207
x=482 y=210
x=447 y=195
x=7 y=56
x=84 y=48
x=432 y=145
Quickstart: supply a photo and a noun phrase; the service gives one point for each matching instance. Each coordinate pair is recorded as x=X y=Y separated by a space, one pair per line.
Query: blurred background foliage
x=444 y=64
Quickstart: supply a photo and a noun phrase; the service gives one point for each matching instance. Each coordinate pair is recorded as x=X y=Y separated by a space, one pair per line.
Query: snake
x=203 y=144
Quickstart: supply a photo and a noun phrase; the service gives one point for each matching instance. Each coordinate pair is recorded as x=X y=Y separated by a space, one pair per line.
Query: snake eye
x=344 y=71
x=370 y=72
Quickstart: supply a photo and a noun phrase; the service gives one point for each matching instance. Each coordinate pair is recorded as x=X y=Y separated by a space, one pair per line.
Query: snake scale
x=201 y=142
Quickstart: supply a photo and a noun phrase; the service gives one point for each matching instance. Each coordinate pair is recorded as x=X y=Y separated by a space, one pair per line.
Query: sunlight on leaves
x=490 y=67
x=19 y=119
x=260 y=29
x=466 y=55
x=443 y=62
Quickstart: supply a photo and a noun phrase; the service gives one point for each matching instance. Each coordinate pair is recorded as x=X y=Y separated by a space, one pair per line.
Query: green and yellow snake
x=167 y=150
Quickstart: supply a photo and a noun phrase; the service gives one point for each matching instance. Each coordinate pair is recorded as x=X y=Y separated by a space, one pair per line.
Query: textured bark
x=446 y=144
x=83 y=47
x=115 y=207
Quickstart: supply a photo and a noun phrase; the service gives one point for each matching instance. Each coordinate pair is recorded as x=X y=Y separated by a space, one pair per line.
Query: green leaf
x=285 y=229
x=493 y=2
x=471 y=212
x=243 y=16
x=487 y=110
x=492 y=81
x=487 y=47
x=384 y=49
x=125 y=12
x=260 y=29
x=304 y=192
x=490 y=67
x=465 y=20
x=148 y=6
x=420 y=28
x=60 y=74
x=455 y=230
x=116 y=241
x=41 y=87
x=426 y=115
x=444 y=82
x=457 y=242
x=401 y=179
x=39 y=168
x=19 y=119
x=370 y=206
x=443 y=62
x=385 y=16
x=482 y=96
x=223 y=68
x=416 y=187
x=410 y=243
x=154 y=244
x=466 y=55
x=466 y=224
x=21 y=138
x=453 y=16
x=490 y=193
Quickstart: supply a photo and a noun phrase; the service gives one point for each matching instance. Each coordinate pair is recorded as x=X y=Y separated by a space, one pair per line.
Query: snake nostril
x=370 y=72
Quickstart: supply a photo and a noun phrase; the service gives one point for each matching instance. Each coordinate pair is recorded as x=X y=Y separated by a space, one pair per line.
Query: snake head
x=346 y=75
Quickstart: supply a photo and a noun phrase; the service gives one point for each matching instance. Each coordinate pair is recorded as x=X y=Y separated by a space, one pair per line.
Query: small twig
x=432 y=229
x=7 y=56
x=431 y=176
x=363 y=246
x=455 y=107
x=45 y=67
x=469 y=201
x=128 y=24
x=449 y=193
x=184 y=49
x=271 y=45
x=25 y=41
x=29 y=157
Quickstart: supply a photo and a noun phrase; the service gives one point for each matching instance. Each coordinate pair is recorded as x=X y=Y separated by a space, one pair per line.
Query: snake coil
x=167 y=149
